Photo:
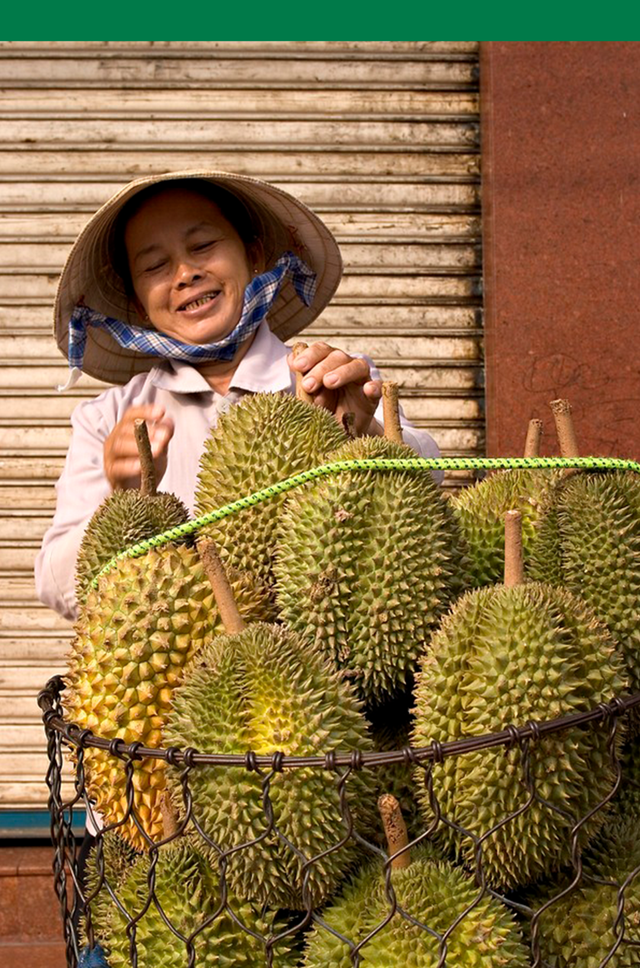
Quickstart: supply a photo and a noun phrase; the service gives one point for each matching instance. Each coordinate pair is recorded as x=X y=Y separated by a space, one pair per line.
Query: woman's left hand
x=340 y=383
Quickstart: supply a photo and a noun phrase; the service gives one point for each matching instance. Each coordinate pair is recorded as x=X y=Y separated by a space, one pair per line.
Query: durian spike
x=390 y=414
x=561 y=410
x=532 y=443
x=148 y=480
x=229 y=614
x=395 y=831
x=513 y=557
x=301 y=393
x=169 y=817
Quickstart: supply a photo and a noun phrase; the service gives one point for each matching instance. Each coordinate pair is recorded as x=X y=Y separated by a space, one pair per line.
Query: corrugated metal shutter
x=381 y=138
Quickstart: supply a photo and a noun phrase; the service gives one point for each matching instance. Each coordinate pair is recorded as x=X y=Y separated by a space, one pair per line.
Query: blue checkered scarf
x=258 y=299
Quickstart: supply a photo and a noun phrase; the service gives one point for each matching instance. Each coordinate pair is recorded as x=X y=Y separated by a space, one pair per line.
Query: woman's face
x=189 y=267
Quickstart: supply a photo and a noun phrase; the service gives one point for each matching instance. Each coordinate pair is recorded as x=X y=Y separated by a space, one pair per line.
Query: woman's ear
x=139 y=308
x=255 y=252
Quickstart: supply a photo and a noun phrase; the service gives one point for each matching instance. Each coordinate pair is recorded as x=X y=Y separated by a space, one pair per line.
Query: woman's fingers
x=322 y=365
x=340 y=383
x=120 y=454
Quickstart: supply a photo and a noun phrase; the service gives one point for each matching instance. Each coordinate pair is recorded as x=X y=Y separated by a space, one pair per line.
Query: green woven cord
x=417 y=463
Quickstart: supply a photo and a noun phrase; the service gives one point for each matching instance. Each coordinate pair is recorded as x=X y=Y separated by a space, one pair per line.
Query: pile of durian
x=361 y=611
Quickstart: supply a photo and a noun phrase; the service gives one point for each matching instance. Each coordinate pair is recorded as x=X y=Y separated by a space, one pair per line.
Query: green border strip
x=368 y=464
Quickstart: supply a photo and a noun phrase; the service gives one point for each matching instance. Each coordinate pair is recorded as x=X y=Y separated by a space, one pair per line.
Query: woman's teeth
x=200 y=302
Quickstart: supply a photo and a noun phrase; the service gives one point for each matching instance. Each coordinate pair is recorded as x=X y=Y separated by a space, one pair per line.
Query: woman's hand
x=341 y=383
x=120 y=454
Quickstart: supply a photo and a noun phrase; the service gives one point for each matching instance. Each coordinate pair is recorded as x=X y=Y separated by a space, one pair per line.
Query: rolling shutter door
x=380 y=138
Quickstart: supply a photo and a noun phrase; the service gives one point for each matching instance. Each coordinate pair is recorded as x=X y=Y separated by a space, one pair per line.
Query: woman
x=180 y=290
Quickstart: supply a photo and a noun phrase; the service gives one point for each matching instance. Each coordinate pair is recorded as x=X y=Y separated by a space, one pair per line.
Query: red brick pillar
x=561 y=201
x=30 y=918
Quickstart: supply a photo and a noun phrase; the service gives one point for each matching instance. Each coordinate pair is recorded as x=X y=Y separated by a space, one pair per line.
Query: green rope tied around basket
x=375 y=464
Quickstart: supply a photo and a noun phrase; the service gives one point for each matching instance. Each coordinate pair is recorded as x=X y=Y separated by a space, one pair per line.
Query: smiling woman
x=188 y=266
x=181 y=290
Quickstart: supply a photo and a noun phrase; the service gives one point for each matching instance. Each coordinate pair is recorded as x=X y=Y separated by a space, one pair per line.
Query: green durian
x=134 y=635
x=262 y=689
x=125 y=518
x=107 y=867
x=579 y=930
x=589 y=541
x=508 y=655
x=367 y=562
x=480 y=511
x=264 y=439
x=433 y=892
x=187 y=890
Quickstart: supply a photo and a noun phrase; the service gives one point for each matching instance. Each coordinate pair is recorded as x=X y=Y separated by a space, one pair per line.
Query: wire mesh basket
x=458 y=934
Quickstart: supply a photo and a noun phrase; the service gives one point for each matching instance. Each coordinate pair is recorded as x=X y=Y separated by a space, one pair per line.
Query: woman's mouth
x=200 y=301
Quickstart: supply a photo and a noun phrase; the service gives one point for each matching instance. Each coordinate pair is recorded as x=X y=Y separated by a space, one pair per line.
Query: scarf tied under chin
x=259 y=296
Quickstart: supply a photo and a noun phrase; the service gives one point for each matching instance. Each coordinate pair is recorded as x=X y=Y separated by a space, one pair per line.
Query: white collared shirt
x=194 y=408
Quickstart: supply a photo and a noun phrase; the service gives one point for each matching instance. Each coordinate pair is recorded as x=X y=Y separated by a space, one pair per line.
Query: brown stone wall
x=561 y=202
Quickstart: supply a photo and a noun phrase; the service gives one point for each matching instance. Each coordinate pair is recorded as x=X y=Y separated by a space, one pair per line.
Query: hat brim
x=282 y=223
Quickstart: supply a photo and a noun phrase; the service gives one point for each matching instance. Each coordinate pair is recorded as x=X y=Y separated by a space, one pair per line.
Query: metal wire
x=274 y=938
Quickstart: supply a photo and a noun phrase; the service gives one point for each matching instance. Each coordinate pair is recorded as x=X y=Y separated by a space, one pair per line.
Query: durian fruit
x=480 y=511
x=367 y=563
x=261 y=689
x=264 y=439
x=581 y=929
x=127 y=517
x=134 y=635
x=589 y=541
x=187 y=892
x=107 y=867
x=430 y=890
x=506 y=655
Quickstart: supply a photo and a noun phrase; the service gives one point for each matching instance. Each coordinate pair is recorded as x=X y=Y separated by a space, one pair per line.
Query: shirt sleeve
x=81 y=488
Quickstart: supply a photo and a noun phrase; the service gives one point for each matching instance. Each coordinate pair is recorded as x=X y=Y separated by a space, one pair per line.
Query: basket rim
x=510 y=736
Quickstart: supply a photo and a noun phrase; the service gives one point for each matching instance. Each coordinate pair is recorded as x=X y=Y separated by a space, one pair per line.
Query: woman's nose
x=186 y=274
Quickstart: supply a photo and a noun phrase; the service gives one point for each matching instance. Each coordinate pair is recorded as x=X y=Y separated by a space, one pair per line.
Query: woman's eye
x=154 y=267
x=200 y=246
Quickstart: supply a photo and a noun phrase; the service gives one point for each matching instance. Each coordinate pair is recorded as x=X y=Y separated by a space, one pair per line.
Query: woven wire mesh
x=282 y=941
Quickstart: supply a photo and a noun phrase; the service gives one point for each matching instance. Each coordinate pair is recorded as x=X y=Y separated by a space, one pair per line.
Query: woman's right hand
x=120 y=454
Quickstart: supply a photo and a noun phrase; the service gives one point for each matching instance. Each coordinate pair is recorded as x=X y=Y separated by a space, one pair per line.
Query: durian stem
x=390 y=414
x=513 y=556
x=532 y=443
x=229 y=614
x=169 y=817
x=148 y=480
x=561 y=410
x=301 y=393
x=395 y=831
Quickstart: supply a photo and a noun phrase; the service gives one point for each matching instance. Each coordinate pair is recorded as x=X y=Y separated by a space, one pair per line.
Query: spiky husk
x=480 y=513
x=434 y=893
x=507 y=656
x=589 y=541
x=107 y=867
x=367 y=563
x=188 y=891
x=265 y=438
x=579 y=930
x=134 y=635
x=263 y=690
x=122 y=520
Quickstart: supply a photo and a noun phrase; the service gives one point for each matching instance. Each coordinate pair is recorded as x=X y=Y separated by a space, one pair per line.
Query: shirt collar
x=263 y=368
